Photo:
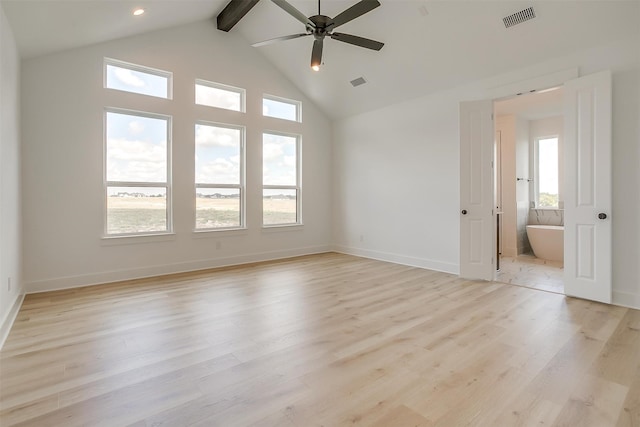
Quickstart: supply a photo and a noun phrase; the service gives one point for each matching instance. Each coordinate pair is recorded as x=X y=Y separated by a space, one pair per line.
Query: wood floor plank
x=321 y=340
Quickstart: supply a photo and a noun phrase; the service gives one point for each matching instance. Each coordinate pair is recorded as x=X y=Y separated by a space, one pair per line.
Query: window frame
x=241 y=186
x=297 y=104
x=141 y=69
x=144 y=184
x=297 y=187
x=536 y=168
x=221 y=86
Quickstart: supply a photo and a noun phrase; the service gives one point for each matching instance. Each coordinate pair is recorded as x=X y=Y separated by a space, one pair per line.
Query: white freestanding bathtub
x=547 y=241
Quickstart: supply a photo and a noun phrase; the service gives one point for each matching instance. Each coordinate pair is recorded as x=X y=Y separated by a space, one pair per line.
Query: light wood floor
x=325 y=340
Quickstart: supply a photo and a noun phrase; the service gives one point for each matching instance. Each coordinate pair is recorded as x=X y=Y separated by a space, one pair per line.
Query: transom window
x=219 y=166
x=137 y=172
x=280 y=179
x=546 y=179
x=220 y=96
x=137 y=79
x=281 y=108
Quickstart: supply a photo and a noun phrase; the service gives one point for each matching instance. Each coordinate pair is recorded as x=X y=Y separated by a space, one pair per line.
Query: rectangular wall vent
x=357 y=82
x=519 y=17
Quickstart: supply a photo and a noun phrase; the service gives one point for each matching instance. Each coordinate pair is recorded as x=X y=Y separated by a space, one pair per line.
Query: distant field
x=147 y=214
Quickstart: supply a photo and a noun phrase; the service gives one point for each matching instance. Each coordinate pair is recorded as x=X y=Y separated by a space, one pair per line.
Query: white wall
x=62 y=127
x=397 y=170
x=10 y=252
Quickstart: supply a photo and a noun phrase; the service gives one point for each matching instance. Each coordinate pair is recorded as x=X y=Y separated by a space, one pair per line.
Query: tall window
x=281 y=108
x=219 y=158
x=546 y=180
x=280 y=179
x=137 y=79
x=137 y=177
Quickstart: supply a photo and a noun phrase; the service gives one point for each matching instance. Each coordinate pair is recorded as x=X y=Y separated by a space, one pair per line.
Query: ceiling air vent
x=357 y=82
x=519 y=17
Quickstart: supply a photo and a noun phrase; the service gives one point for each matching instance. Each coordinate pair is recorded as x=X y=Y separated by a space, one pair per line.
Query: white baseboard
x=9 y=319
x=626 y=299
x=159 y=270
x=399 y=259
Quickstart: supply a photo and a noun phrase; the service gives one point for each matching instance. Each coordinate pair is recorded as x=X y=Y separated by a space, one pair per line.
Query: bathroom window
x=547 y=167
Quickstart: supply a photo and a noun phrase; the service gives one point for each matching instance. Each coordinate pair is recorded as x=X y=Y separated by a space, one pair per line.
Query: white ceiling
x=429 y=45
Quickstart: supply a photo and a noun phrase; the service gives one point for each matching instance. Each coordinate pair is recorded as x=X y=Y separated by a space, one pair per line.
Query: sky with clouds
x=136 y=81
x=217 y=154
x=136 y=148
x=137 y=145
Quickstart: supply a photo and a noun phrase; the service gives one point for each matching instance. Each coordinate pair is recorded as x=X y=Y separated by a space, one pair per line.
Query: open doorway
x=529 y=189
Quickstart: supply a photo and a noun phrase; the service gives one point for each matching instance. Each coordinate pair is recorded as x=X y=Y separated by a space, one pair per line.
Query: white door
x=587 y=204
x=477 y=239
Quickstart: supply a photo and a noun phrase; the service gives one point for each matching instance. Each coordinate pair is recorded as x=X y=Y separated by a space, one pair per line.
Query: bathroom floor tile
x=532 y=272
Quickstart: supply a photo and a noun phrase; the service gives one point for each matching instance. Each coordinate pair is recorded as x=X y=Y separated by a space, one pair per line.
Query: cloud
x=134 y=160
x=218 y=171
x=211 y=136
x=136 y=127
x=214 y=97
x=128 y=77
x=272 y=151
x=289 y=161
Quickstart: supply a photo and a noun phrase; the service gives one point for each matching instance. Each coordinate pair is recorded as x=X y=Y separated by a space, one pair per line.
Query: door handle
x=602 y=215
x=464 y=212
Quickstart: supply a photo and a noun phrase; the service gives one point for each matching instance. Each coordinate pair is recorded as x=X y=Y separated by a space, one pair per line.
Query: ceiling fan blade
x=316 y=53
x=294 y=12
x=358 y=41
x=354 y=11
x=279 y=39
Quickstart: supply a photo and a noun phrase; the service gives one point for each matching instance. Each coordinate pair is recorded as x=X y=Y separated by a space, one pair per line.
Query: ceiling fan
x=319 y=26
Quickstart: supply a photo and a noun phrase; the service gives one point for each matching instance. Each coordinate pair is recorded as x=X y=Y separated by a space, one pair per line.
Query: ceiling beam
x=233 y=12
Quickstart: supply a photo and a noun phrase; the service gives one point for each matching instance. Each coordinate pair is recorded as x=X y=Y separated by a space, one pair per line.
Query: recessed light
x=137 y=12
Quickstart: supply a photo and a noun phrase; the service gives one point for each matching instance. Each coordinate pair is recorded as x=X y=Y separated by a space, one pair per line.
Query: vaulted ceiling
x=429 y=45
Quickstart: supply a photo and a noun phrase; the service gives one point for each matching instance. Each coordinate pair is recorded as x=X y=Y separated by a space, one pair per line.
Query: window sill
x=283 y=227
x=212 y=233
x=137 y=239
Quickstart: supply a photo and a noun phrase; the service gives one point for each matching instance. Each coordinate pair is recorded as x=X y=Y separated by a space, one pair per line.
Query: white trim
x=69 y=282
x=240 y=186
x=9 y=319
x=547 y=81
x=428 y=264
x=167 y=185
x=297 y=187
x=626 y=299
